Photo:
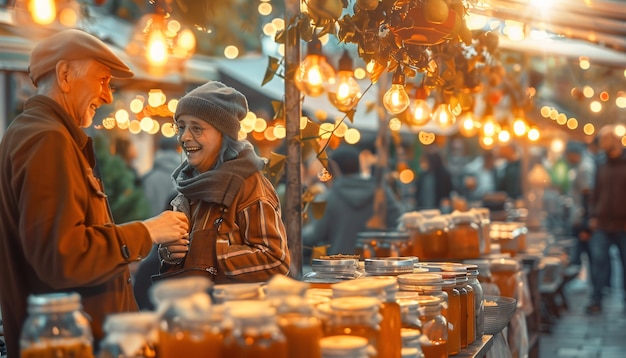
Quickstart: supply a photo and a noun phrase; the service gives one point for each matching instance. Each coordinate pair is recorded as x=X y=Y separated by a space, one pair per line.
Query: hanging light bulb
x=490 y=127
x=420 y=109
x=443 y=116
x=468 y=124
x=157 y=48
x=43 y=11
x=314 y=74
x=395 y=99
x=344 y=93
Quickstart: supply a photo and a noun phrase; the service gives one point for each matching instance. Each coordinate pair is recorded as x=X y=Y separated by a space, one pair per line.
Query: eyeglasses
x=195 y=129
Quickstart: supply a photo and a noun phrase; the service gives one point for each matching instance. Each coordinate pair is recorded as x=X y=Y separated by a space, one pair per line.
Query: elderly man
x=56 y=231
x=608 y=214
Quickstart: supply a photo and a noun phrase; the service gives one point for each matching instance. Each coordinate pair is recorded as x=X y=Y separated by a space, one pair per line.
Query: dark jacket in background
x=608 y=202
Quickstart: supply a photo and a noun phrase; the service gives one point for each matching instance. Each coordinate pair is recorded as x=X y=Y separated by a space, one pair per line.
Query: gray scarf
x=219 y=185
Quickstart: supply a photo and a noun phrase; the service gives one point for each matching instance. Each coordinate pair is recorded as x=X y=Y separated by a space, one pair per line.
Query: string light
x=396 y=99
x=314 y=74
x=344 y=93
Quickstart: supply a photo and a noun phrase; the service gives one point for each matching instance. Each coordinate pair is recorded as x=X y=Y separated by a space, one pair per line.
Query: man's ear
x=63 y=75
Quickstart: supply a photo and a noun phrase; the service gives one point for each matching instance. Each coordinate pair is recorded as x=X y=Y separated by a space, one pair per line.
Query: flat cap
x=72 y=45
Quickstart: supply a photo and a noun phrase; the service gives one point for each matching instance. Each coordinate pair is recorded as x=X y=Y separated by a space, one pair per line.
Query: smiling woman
x=237 y=234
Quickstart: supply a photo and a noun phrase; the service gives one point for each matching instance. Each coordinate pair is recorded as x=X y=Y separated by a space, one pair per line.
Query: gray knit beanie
x=217 y=104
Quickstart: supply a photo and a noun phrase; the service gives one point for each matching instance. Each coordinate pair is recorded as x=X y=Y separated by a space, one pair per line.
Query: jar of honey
x=431 y=240
x=185 y=307
x=411 y=339
x=344 y=347
x=354 y=316
x=479 y=308
x=326 y=272
x=463 y=236
x=383 y=288
x=300 y=326
x=430 y=284
x=255 y=332
x=383 y=244
x=130 y=335
x=56 y=327
x=504 y=275
x=484 y=219
x=434 y=328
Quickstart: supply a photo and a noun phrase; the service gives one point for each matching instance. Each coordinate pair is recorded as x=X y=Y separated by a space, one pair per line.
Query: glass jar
x=344 y=347
x=463 y=236
x=504 y=275
x=411 y=339
x=479 y=308
x=372 y=244
x=434 y=328
x=255 y=332
x=301 y=327
x=431 y=241
x=130 y=335
x=485 y=223
x=184 y=305
x=383 y=288
x=56 y=327
x=430 y=284
x=389 y=266
x=354 y=316
x=326 y=272
x=409 y=308
x=454 y=316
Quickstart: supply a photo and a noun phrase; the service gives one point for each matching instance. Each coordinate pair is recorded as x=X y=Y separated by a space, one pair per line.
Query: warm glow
x=156 y=97
x=557 y=145
x=134 y=127
x=157 y=48
x=269 y=29
x=504 y=136
x=584 y=63
x=487 y=142
x=620 y=130
x=468 y=125
x=146 y=124
x=265 y=8
x=280 y=131
x=589 y=129
x=475 y=21
x=326 y=130
x=561 y=119
x=136 y=105
x=443 y=116
x=545 y=111
x=359 y=73
x=313 y=75
x=278 y=23
x=155 y=127
x=43 y=11
x=269 y=133
x=514 y=30
x=353 y=136
x=260 y=125
x=303 y=122
x=604 y=96
x=519 y=127
x=554 y=114
x=406 y=176
x=123 y=125
x=396 y=99
x=395 y=124
x=167 y=130
x=420 y=113
x=624 y=141
x=341 y=129
x=595 y=106
x=490 y=127
x=572 y=123
x=121 y=116
x=172 y=104
x=426 y=138
x=345 y=92
x=533 y=134
x=108 y=123
x=588 y=92
x=186 y=40
x=68 y=17
x=231 y=52
x=621 y=101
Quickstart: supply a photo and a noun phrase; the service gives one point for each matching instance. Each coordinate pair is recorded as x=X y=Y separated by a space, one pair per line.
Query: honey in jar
x=353 y=316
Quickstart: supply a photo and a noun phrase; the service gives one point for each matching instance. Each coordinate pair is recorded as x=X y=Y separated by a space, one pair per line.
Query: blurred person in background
x=479 y=177
x=56 y=231
x=349 y=205
x=237 y=233
x=434 y=183
x=510 y=177
x=608 y=215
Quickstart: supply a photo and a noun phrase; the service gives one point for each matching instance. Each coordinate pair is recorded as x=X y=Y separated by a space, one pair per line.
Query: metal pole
x=293 y=112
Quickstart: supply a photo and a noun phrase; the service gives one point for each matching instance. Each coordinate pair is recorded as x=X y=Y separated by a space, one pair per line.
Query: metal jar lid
x=389 y=265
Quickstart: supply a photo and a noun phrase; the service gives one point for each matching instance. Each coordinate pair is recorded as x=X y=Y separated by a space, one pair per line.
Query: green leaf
x=270 y=71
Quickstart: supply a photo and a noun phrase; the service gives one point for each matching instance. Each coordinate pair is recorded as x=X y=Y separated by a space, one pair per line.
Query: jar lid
x=334 y=264
x=354 y=303
x=420 y=279
x=430 y=213
x=409 y=352
x=389 y=265
x=463 y=217
x=236 y=291
x=383 y=235
x=429 y=301
x=410 y=334
x=54 y=302
x=179 y=288
x=250 y=309
x=503 y=264
x=435 y=223
x=365 y=286
x=341 y=345
x=408 y=304
x=281 y=285
x=411 y=220
x=143 y=321
x=406 y=295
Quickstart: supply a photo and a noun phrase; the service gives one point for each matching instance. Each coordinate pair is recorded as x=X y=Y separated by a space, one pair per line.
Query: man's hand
x=168 y=227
